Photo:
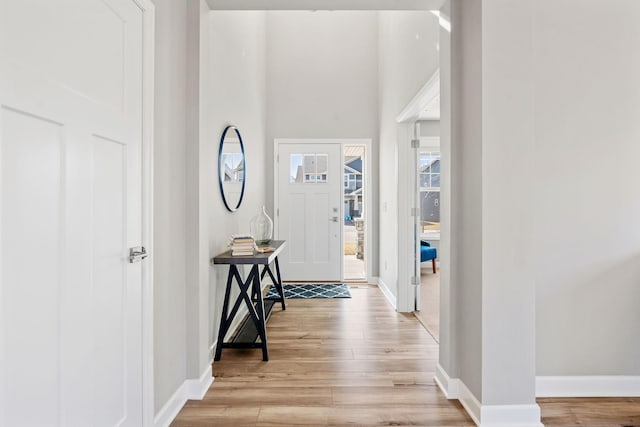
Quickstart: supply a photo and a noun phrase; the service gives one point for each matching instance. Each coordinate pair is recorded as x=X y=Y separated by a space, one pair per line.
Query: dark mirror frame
x=220 y=168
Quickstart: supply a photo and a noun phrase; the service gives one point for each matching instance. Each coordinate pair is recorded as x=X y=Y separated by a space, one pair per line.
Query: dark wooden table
x=253 y=301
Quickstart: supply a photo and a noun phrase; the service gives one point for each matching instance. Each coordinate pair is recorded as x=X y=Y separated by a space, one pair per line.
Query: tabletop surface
x=256 y=258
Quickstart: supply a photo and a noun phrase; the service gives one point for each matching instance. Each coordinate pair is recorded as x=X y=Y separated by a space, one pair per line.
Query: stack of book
x=242 y=245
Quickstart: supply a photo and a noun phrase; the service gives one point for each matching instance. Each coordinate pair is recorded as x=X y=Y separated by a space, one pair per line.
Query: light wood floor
x=429 y=313
x=354 y=362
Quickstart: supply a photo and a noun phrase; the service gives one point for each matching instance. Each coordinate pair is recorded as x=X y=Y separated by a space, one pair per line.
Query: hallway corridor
x=332 y=362
x=355 y=362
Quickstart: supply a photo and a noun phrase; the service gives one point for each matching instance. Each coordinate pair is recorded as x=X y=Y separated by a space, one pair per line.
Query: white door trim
x=148 y=66
x=407 y=244
x=367 y=182
x=425 y=105
x=407 y=177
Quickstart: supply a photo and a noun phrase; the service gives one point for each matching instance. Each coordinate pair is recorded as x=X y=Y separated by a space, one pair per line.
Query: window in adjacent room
x=430 y=191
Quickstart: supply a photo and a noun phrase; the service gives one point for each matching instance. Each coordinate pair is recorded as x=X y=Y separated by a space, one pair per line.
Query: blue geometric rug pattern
x=311 y=290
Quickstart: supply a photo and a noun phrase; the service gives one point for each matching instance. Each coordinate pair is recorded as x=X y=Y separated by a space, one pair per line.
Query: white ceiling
x=325 y=4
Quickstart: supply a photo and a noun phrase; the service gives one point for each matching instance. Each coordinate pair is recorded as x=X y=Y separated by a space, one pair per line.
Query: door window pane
x=309 y=168
x=430 y=210
x=322 y=167
x=295 y=168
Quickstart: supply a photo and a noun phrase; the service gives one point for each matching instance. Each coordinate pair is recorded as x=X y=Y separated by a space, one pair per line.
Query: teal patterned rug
x=311 y=290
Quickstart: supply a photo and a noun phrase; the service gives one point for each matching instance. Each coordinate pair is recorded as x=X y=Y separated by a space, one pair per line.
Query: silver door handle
x=137 y=254
x=334 y=219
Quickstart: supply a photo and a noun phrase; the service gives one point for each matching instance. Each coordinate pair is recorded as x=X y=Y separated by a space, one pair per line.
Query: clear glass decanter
x=262 y=228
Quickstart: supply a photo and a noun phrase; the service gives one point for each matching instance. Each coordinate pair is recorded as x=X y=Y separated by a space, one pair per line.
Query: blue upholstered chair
x=428 y=253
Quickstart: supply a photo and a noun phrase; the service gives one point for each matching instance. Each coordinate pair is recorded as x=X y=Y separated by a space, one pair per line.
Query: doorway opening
x=428 y=179
x=354 y=225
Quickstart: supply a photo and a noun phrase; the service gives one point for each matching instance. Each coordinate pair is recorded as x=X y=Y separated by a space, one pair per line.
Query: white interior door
x=309 y=211
x=70 y=196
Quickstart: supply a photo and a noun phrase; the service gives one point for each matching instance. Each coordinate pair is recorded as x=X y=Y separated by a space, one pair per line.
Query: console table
x=254 y=300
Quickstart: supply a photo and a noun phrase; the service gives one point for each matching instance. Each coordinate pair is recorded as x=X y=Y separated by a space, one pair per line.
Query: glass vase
x=262 y=228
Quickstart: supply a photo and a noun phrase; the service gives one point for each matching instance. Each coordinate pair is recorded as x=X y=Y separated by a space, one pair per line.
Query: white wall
x=234 y=92
x=447 y=357
x=508 y=288
x=492 y=286
x=169 y=199
x=430 y=128
x=322 y=74
x=408 y=57
x=586 y=204
x=322 y=83
x=530 y=93
x=466 y=190
x=208 y=76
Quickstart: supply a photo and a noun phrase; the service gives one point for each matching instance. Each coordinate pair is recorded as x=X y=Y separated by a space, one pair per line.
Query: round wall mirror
x=231 y=168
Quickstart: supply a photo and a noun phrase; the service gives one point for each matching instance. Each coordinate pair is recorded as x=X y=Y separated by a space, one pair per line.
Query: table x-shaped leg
x=277 y=280
x=256 y=313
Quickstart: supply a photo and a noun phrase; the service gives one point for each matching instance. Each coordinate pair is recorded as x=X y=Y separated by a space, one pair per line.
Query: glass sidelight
x=354 y=213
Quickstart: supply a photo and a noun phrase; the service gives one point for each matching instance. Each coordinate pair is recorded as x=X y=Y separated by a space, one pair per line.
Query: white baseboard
x=386 y=292
x=588 y=386
x=469 y=401
x=196 y=389
x=510 y=415
x=449 y=386
x=170 y=409
x=189 y=390
x=498 y=415
x=487 y=415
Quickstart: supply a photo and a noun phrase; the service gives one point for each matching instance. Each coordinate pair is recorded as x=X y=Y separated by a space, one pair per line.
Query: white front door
x=309 y=211
x=70 y=199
